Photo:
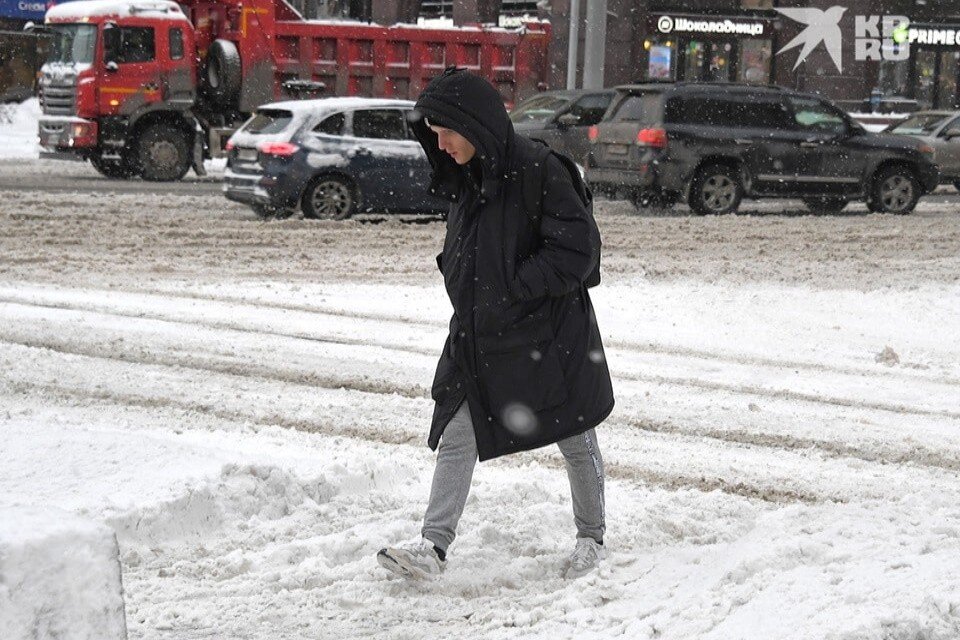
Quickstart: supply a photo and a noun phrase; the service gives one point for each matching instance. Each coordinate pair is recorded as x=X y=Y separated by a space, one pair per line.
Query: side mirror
x=112 y=66
x=111 y=45
x=952 y=132
x=568 y=120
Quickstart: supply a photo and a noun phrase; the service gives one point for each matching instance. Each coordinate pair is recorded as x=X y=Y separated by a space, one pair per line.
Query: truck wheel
x=223 y=72
x=894 y=190
x=716 y=190
x=163 y=153
x=825 y=204
x=118 y=169
x=329 y=198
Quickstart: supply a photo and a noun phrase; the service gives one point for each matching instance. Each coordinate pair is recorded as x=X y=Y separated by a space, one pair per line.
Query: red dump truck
x=152 y=87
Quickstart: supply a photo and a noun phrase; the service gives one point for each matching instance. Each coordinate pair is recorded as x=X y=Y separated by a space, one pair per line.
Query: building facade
x=743 y=40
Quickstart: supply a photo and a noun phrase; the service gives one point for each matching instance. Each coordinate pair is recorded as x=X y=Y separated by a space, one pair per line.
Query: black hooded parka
x=524 y=348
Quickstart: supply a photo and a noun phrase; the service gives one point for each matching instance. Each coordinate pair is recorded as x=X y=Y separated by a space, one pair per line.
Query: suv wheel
x=894 y=190
x=329 y=198
x=266 y=212
x=825 y=204
x=716 y=190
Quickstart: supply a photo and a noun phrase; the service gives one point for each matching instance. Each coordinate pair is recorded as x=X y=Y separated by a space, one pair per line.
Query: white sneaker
x=585 y=558
x=416 y=560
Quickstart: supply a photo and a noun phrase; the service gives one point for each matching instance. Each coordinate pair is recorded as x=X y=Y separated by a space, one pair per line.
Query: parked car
x=940 y=130
x=330 y=158
x=562 y=118
x=712 y=145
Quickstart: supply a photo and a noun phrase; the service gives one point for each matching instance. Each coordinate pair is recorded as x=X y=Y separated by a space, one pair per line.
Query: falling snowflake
x=519 y=419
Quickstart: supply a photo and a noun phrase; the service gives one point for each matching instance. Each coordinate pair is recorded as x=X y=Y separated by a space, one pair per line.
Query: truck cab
x=151 y=87
x=118 y=87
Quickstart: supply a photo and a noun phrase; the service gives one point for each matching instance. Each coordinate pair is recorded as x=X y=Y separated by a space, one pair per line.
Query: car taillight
x=652 y=138
x=277 y=148
x=228 y=146
x=593 y=133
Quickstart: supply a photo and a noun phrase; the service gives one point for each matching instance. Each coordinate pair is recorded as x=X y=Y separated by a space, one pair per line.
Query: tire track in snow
x=245 y=370
x=694 y=383
x=916 y=455
x=406 y=437
x=787 y=394
x=703 y=479
x=617 y=343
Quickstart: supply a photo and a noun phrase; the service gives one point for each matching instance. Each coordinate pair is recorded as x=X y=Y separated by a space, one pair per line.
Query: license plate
x=246 y=154
x=618 y=149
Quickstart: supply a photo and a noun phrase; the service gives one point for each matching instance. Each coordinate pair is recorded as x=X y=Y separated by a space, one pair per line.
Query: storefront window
x=926 y=76
x=947 y=80
x=754 y=65
x=695 y=53
x=894 y=78
x=719 y=70
x=708 y=61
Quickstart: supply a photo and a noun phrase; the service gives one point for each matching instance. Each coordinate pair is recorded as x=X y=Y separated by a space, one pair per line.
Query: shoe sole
x=393 y=565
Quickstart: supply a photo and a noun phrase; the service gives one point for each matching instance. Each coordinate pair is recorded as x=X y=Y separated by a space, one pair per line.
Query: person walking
x=523 y=365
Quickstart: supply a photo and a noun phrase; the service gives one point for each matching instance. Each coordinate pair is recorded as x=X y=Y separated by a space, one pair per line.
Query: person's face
x=458 y=147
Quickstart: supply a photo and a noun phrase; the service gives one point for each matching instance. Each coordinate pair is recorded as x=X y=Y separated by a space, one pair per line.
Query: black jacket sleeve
x=569 y=241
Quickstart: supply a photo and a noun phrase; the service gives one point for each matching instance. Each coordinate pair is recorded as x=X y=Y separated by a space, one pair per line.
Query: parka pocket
x=521 y=370
x=445 y=378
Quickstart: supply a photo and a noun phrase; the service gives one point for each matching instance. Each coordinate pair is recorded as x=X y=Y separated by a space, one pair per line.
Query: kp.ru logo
x=877 y=37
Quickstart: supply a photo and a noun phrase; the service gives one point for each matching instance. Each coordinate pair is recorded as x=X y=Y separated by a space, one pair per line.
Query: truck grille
x=58 y=98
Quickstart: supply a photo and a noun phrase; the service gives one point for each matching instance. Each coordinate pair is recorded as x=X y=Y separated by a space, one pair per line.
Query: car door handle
x=742 y=140
x=809 y=145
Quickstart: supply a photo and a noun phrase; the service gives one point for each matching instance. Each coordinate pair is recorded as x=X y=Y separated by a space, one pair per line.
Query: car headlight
x=925 y=148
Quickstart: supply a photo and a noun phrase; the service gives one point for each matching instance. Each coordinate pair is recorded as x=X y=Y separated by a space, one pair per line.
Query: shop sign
x=668 y=24
x=943 y=37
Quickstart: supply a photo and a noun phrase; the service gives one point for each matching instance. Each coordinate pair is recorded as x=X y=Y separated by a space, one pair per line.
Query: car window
x=382 y=124
x=176 y=43
x=538 y=109
x=744 y=110
x=637 y=107
x=267 y=121
x=407 y=115
x=331 y=125
x=136 y=45
x=812 y=115
x=590 y=109
x=921 y=124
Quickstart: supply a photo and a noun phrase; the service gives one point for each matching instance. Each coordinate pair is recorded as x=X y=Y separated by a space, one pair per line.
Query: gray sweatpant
x=457 y=456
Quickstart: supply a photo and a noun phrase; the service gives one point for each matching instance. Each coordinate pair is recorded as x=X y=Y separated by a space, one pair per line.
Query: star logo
x=822 y=26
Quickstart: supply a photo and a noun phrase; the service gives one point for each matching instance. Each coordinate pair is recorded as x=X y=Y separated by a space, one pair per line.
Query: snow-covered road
x=246 y=404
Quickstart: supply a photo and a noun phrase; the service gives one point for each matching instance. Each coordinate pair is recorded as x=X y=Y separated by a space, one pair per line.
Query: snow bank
x=19 y=135
x=59 y=577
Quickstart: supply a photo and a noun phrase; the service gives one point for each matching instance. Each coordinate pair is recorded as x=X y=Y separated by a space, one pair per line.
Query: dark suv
x=712 y=145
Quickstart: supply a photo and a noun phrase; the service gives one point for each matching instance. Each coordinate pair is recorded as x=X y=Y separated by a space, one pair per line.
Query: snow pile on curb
x=59 y=577
x=20 y=134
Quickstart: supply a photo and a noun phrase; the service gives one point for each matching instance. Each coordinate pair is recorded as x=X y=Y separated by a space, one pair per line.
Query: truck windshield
x=73 y=43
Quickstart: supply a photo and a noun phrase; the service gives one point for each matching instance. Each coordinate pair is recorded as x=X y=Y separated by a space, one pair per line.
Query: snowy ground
x=246 y=404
